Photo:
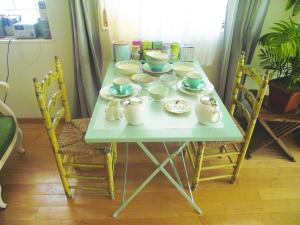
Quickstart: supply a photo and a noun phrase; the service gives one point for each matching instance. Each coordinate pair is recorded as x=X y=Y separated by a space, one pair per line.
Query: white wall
x=34 y=58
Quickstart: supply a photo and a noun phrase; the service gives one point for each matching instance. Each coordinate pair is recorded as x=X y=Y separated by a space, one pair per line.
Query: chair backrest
x=51 y=112
x=254 y=101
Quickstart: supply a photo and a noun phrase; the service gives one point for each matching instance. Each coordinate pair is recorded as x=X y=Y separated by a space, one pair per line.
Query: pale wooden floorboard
x=267 y=192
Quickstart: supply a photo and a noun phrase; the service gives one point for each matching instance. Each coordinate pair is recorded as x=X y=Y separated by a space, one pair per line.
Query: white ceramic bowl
x=157 y=56
x=183 y=68
x=128 y=67
x=158 y=92
x=168 y=80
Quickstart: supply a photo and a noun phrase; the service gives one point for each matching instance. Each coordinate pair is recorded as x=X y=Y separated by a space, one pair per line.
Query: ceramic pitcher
x=134 y=110
x=207 y=110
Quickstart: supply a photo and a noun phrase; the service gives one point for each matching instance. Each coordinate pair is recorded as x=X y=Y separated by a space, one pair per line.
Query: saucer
x=147 y=69
x=187 y=86
x=107 y=95
x=177 y=106
x=116 y=93
x=208 y=89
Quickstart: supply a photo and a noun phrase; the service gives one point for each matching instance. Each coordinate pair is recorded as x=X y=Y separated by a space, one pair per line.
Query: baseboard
x=30 y=120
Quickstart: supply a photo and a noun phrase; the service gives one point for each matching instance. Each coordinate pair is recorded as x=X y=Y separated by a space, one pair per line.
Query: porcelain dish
x=147 y=69
x=168 y=80
x=142 y=79
x=187 y=86
x=128 y=67
x=157 y=56
x=183 y=68
x=114 y=92
x=158 y=92
x=206 y=90
x=178 y=106
x=106 y=93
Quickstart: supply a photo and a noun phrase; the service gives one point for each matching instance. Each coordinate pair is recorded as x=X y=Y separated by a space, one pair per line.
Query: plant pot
x=281 y=99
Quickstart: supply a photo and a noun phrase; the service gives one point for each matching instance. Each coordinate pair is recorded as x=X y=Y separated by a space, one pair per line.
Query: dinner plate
x=142 y=79
x=106 y=94
x=177 y=106
x=147 y=69
x=115 y=92
x=208 y=89
x=187 y=86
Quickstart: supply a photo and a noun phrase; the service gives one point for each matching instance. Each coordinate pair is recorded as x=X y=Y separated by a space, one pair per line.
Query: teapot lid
x=133 y=101
x=208 y=101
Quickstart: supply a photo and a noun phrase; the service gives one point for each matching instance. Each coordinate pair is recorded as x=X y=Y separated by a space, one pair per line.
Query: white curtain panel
x=197 y=22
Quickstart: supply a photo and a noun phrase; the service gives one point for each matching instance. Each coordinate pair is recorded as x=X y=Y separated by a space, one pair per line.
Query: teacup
x=121 y=85
x=193 y=80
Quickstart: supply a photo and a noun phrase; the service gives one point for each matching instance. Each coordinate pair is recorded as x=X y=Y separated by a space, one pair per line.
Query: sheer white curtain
x=197 y=22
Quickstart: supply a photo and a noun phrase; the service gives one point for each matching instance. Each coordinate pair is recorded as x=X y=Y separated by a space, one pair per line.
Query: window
x=28 y=9
x=197 y=22
x=27 y=12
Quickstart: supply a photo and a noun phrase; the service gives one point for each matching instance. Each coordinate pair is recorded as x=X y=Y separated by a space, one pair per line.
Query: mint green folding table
x=160 y=126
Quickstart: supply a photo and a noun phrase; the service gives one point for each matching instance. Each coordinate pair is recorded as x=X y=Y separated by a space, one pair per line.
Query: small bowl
x=183 y=68
x=157 y=56
x=168 y=80
x=158 y=92
x=128 y=67
x=142 y=79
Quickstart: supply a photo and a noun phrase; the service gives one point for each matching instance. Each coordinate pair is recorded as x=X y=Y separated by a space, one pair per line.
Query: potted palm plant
x=280 y=54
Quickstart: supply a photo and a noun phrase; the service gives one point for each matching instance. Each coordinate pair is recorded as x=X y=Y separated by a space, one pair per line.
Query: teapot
x=134 y=110
x=207 y=111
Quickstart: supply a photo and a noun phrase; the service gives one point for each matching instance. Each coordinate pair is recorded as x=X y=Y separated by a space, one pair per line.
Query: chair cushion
x=71 y=139
x=8 y=129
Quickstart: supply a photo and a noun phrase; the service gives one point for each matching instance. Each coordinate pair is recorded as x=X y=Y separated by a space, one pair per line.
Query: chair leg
x=19 y=145
x=198 y=166
x=115 y=149
x=63 y=174
x=240 y=160
x=2 y=204
x=110 y=176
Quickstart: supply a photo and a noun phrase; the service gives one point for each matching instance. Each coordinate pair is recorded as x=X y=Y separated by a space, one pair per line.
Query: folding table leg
x=173 y=167
x=160 y=167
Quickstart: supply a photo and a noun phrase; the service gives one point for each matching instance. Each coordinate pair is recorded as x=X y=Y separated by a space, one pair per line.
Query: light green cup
x=121 y=85
x=194 y=80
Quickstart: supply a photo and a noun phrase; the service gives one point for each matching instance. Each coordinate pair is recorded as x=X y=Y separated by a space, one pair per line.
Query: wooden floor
x=268 y=192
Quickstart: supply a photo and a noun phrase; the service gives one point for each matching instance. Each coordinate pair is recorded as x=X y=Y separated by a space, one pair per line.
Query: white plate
x=142 y=78
x=206 y=90
x=106 y=94
x=167 y=68
x=177 y=106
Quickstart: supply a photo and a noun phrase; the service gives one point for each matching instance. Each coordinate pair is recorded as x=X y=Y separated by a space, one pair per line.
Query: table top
x=160 y=126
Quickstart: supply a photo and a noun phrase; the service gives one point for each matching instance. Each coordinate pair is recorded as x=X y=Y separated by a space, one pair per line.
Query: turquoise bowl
x=156 y=66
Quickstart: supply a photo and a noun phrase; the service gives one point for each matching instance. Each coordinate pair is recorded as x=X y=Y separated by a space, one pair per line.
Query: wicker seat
x=69 y=148
x=233 y=153
x=71 y=140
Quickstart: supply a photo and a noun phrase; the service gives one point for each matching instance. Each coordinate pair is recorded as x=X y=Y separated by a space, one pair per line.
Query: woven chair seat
x=71 y=140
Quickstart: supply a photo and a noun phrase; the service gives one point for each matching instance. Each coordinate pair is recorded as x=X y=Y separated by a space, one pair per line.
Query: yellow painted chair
x=79 y=164
x=211 y=157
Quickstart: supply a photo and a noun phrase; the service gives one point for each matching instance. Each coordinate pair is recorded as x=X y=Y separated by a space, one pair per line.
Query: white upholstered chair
x=10 y=134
